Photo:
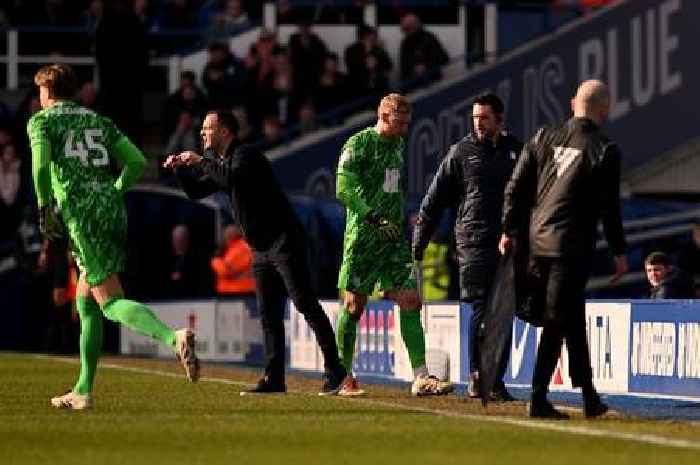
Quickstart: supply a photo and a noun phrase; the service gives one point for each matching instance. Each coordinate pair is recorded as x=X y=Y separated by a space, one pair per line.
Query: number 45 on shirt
x=93 y=144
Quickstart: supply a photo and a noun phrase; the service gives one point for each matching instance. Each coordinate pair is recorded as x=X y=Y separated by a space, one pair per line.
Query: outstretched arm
x=194 y=181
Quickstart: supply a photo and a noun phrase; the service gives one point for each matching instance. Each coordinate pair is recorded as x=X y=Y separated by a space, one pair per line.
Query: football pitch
x=146 y=413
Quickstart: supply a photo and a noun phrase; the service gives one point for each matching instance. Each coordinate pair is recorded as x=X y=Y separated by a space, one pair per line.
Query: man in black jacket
x=273 y=231
x=667 y=281
x=567 y=178
x=471 y=179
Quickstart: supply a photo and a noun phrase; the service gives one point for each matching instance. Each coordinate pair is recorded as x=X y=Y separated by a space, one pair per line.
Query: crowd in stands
x=277 y=90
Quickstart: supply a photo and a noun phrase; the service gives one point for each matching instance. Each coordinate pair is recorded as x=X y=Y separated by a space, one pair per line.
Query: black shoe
x=544 y=409
x=594 y=408
x=266 y=385
x=501 y=394
x=333 y=383
x=473 y=386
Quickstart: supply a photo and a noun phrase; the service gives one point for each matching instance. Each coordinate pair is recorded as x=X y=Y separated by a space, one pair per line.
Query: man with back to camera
x=374 y=250
x=71 y=150
x=471 y=179
x=566 y=180
x=272 y=230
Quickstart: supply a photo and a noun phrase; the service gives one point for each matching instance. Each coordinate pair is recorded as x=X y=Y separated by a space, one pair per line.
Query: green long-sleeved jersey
x=369 y=179
x=71 y=146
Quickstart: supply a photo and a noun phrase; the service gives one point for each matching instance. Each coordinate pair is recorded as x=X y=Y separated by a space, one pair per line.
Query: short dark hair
x=658 y=258
x=226 y=119
x=492 y=100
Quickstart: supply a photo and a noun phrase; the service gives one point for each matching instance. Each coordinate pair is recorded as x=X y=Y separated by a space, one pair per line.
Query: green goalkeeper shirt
x=71 y=146
x=369 y=180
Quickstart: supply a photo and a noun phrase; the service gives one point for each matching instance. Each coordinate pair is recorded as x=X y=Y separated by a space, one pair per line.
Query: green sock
x=414 y=338
x=347 y=332
x=138 y=318
x=90 y=342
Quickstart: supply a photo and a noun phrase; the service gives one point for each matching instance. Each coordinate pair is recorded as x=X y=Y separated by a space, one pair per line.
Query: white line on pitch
x=522 y=422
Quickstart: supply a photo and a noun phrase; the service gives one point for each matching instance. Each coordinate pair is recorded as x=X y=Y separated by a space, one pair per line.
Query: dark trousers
x=564 y=319
x=280 y=271
x=477 y=270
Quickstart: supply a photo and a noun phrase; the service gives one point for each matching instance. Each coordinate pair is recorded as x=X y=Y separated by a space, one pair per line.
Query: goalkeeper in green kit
x=374 y=250
x=71 y=148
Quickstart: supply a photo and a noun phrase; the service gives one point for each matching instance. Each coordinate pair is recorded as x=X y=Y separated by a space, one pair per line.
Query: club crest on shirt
x=563 y=157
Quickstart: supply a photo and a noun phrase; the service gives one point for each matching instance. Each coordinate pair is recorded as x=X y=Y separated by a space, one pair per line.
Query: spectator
x=92 y=16
x=11 y=204
x=87 y=95
x=261 y=71
x=186 y=136
x=188 y=97
x=5 y=138
x=376 y=83
x=224 y=76
x=233 y=267
x=689 y=257
x=231 y=18
x=178 y=15
x=187 y=275
x=246 y=133
x=282 y=99
x=357 y=55
x=307 y=118
x=332 y=85
x=667 y=282
x=307 y=53
x=142 y=11
x=272 y=132
x=421 y=55
x=121 y=52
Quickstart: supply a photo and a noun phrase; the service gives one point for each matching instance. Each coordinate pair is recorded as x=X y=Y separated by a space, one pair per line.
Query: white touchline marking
x=523 y=422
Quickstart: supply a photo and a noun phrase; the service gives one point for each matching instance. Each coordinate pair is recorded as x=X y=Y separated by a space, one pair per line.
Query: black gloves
x=388 y=230
x=49 y=223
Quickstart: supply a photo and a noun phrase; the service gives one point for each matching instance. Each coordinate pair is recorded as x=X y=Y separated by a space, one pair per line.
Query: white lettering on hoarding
x=651 y=46
x=518 y=349
x=600 y=346
x=653 y=348
x=670 y=81
x=688 y=350
x=643 y=83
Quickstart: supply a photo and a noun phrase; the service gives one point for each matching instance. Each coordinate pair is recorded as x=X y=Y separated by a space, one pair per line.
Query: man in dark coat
x=471 y=179
x=275 y=234
x=566 y=180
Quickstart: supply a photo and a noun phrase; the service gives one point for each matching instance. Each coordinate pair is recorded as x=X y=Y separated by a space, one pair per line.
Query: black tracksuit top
x=566 y=180
x=471 y=179
x=260 y=206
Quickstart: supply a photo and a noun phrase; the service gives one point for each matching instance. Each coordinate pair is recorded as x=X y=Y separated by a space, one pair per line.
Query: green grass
x=151 y=419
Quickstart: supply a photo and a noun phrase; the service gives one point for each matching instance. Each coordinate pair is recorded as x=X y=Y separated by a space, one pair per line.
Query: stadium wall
x=637 y=346
x=644 y=50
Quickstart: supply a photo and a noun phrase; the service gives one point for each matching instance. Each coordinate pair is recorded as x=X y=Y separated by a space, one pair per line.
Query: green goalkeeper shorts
x=98 y=235
x=390 y=266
